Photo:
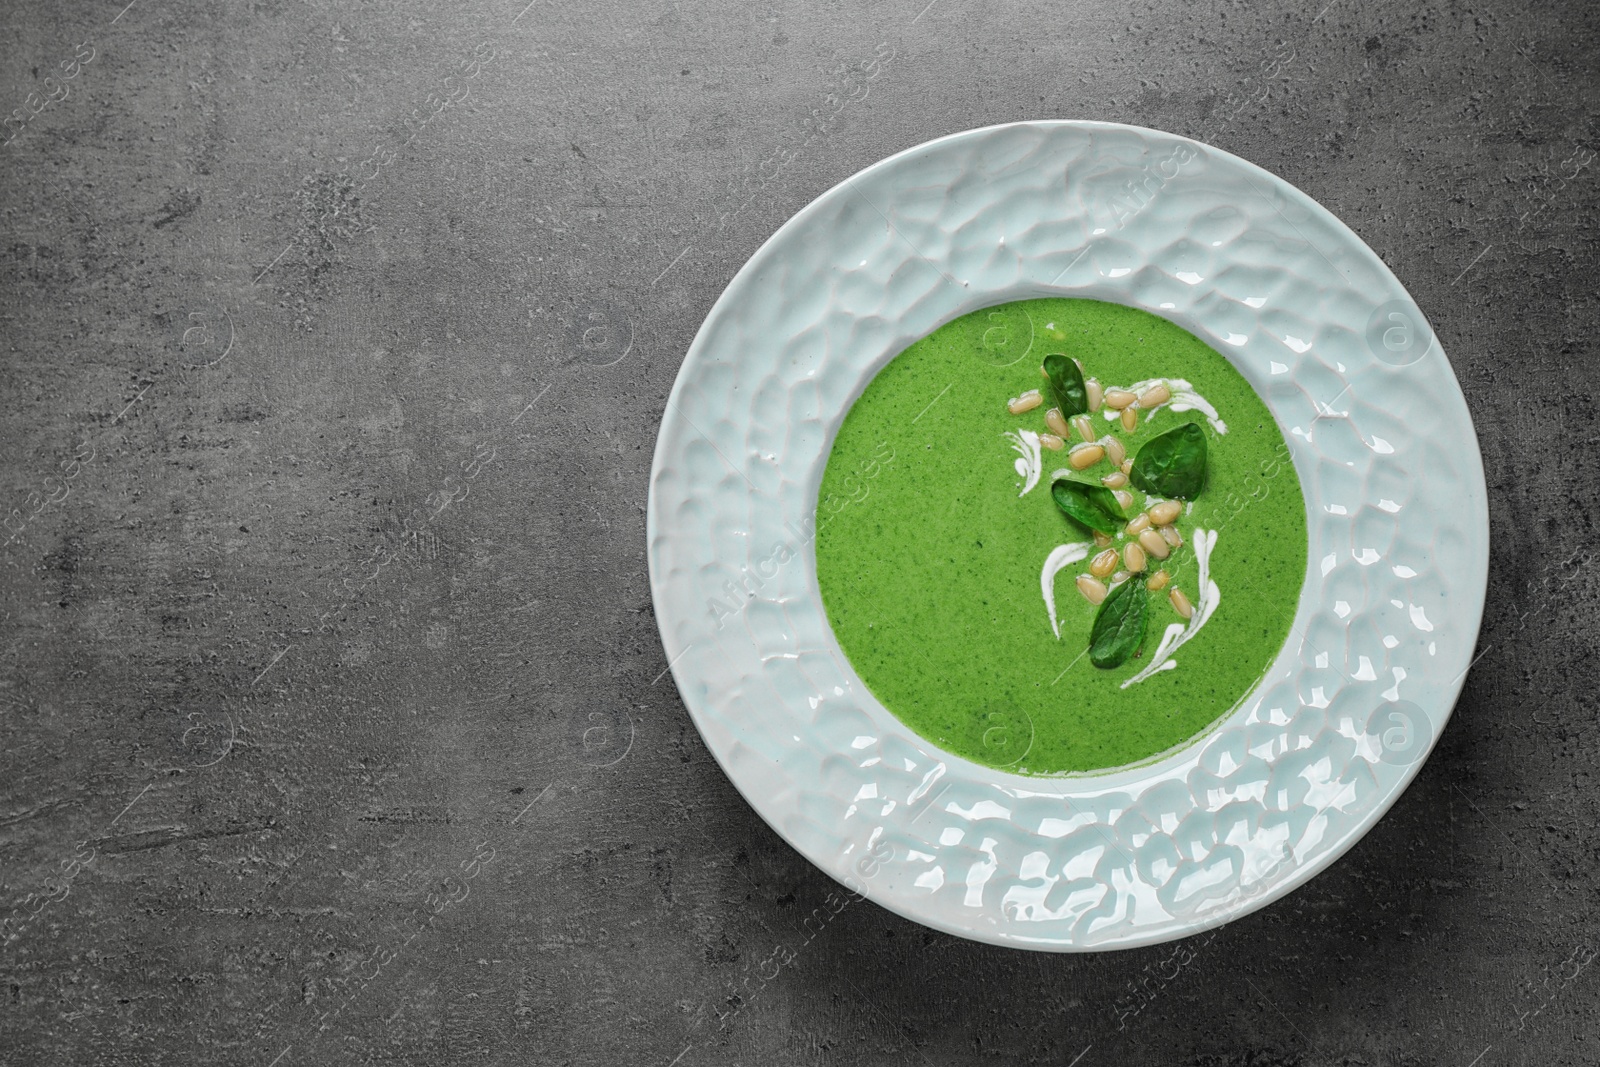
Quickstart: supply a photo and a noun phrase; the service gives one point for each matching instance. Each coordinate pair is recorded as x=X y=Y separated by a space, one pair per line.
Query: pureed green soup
x=938 y=539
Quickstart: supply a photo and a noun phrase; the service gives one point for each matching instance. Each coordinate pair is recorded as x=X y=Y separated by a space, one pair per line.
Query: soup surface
x=951 y=577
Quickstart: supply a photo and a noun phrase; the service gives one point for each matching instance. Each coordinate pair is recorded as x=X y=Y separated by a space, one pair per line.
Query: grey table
x=337 y=335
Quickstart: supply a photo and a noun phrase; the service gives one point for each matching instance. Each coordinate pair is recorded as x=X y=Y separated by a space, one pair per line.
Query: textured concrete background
x=336 y=337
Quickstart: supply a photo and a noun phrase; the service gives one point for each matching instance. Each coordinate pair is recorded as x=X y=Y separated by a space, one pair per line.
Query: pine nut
x=1172 y=536
x=1163 y=513
x=1126 y=466
x=1093 y=589
x=1119 y=577
x=1154 y=544
x=1157 y=581
x=1133 y=557
x=1115 y=450
x=1138 y=525
x=1057 y=424
x=1104 y=563
x=1052 y=442
x=1155 y=396
x=1130 y=419
x=1083 y=456
x=1026 y=402
x=1101 y=540
x=1124 y=498
x=1115 y=480
x=1117 y=399
x=1097 y=395
x=1084 y=427
x=1180 y=603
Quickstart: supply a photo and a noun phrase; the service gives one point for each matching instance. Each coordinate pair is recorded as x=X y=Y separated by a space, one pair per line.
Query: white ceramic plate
x=1381 y=440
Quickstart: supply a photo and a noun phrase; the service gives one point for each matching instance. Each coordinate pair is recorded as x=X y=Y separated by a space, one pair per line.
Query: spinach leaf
x=1066 y=384
x=1173 y=464
x=1093 y=506
x=1105 y=500
x=1118 y=628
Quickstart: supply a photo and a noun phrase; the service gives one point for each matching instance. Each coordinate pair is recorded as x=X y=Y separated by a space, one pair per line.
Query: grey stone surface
x=333 y=722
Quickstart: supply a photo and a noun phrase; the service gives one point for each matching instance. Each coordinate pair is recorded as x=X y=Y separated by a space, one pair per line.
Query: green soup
x=932 y=557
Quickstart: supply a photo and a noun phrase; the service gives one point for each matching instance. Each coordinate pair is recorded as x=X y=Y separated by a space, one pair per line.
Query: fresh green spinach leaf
x=1066 y=384
x=1093 y=506
x=1174 y=464
x=1118 y=628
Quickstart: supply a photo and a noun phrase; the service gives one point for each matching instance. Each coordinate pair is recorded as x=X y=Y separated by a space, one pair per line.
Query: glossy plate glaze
x=1381 y=440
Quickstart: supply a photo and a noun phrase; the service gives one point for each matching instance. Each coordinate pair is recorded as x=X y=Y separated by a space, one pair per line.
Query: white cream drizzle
x=1177 y=633
x=1028 y=464
x=1064 y=556
x=1184 y=398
